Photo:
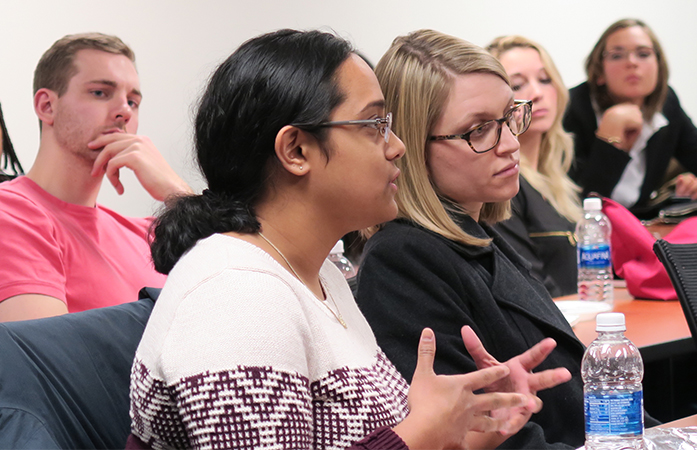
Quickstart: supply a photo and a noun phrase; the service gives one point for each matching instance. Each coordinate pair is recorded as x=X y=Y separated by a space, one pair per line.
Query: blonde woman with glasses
x=627 y=122
x=441 y=264
x=546 y=209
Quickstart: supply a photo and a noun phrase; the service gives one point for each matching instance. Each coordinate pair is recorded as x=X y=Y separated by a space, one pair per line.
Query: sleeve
x=686 y=152
x=597 y=166
x=240 y=362
x=515 y=232
x=381 y=439
x=406 y=284
x=32 y=257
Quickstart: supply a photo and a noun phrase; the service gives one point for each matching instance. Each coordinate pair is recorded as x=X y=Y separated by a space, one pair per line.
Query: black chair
x=64 y=381
x=680 y=260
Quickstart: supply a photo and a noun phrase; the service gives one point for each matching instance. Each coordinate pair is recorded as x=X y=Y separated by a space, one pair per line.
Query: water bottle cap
x=612 y=321
x=338 y=248
x=592 y=204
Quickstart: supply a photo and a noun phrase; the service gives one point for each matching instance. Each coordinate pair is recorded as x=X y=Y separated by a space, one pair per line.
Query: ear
x=601 y=80
x=44 y=103
x=292 y=145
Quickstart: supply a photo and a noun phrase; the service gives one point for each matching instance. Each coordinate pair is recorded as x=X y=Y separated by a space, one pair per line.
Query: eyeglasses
x=487 y=135
x=383 y=125
x=620 y=54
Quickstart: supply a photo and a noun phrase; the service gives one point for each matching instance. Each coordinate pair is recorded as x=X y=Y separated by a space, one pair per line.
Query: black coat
x=598 y=165
x=544 y=238
x=412 y=278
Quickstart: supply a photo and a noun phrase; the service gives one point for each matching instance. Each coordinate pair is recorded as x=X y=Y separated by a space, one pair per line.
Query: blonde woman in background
x=546 y=209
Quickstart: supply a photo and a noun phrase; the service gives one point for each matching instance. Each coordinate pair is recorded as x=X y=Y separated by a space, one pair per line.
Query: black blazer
x=598 y=165
x=544 y=238
x=412 y=278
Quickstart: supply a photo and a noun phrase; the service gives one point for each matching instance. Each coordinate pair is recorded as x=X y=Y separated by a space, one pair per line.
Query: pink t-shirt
x=86 y=257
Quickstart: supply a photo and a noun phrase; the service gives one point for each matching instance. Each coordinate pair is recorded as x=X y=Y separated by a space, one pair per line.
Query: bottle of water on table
x=612 y=370
x=594 y=257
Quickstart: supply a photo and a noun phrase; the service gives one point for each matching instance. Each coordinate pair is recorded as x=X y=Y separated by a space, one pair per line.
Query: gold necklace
x=326 y=293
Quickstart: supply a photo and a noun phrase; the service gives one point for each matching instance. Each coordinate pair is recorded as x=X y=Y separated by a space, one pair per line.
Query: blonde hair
x=653 y=103
x=416 y=75
x=550 y=177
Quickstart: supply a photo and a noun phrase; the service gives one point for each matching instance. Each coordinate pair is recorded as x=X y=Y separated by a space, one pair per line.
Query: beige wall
x=179 y=42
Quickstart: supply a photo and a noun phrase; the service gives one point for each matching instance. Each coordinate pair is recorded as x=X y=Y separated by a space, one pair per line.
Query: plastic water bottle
x=337 y=257
x=612 y=370
x=594 y=257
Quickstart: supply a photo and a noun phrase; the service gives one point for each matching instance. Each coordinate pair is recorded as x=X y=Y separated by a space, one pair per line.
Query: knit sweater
x=238 y=353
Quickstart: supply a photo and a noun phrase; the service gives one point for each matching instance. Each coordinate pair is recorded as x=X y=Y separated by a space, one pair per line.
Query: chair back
x=64 y=381
x=680 y=261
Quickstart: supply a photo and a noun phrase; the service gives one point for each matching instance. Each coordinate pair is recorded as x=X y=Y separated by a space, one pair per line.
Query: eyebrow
x=113 y=84
x=374 y=104
x=621 y=47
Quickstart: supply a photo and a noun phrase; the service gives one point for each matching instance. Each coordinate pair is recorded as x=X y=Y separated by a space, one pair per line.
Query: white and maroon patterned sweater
x=239 y=354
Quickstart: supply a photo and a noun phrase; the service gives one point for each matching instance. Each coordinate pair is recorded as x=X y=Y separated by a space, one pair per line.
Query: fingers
x=485 y=403
x=426 y=354
x=484 y=377
x=474 y=347
x=548 y=379
x=686 y=186
x=537 y=353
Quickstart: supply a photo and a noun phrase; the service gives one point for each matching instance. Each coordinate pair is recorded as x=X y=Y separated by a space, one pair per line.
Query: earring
x=301 y=167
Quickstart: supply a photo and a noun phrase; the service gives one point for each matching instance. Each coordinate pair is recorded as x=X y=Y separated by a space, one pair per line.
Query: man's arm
x=139 y=154
x=31 y=306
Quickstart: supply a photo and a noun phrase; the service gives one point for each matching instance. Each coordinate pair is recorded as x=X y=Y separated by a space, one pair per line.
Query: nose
x=535 y=92
x=632 y=58
x=122 y=112
x=395 y=148
x=508 y=142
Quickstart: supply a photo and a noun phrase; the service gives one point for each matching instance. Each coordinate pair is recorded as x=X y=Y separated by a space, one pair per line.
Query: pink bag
x=632 y=252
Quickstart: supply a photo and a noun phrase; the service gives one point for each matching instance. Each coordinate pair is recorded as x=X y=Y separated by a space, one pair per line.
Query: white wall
x=178 y=43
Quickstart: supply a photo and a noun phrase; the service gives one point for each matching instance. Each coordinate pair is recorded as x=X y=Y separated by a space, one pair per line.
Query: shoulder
x=671 y=106
x=580 y=99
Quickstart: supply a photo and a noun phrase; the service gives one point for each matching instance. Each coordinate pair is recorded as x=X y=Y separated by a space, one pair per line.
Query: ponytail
x=191 y=218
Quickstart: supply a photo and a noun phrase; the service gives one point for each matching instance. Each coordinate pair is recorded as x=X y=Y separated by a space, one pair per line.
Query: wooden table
x=657 y=327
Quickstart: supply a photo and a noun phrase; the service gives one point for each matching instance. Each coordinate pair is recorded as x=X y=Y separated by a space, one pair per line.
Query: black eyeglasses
x=487 y=135
x=382 y=124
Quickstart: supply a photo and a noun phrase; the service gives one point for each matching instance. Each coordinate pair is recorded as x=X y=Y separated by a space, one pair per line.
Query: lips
x=540 y=112
x=394 y=178
x=511 y=169
x=633 y=79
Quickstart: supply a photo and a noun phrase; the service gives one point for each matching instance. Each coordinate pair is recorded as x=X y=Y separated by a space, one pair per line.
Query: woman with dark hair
x=9 y=158
x=256 y=340
x=627 y=122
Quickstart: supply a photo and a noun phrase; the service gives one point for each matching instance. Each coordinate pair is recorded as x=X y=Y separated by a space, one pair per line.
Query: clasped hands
x=444 y=410
x=139 y=154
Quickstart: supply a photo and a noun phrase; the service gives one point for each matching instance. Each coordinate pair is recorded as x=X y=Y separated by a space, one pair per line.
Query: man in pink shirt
x=60 y=251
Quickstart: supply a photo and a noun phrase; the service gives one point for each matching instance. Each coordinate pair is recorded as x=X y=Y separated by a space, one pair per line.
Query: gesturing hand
x=140 y=155
x=444 y=408
x=686 y=186
x=520 y=379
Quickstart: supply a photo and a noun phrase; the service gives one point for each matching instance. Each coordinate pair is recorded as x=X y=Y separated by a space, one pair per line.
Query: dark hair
x=271 y=81
x=9 y=158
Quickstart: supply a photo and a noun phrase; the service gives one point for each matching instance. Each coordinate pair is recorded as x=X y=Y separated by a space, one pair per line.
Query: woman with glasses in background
x=441 y=264
x=256 y=340
x=9 y=158
x=627 y=122
x=545 y=210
